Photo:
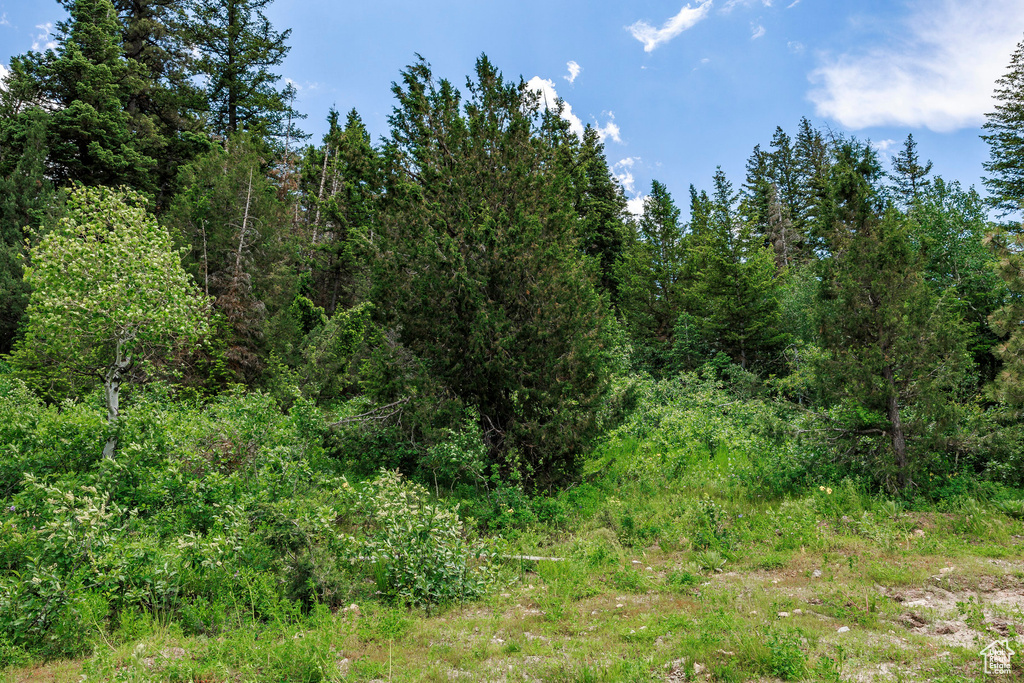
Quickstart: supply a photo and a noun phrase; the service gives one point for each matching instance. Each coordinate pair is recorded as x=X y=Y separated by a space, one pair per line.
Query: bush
x=417 y=549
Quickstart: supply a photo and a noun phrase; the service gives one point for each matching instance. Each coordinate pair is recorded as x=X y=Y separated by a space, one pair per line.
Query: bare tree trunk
x=245 y=223
x=899 y=437
x=320 y=194
x=112 y=389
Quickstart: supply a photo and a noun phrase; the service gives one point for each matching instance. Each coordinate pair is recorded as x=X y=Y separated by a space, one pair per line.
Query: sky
x=675 y=89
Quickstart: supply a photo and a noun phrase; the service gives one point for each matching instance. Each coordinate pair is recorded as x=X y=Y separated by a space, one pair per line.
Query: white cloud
x=793 y=4
x=549 y=98
x=636 y=205
x=758 y=32
x=939 y=76
x=731 y=4
x=652 y=37
x=43 y=40
x=610 y=130
x=796 y=47
x=883 y=145
x=3 y=20
x=624 y=174
x=574 y=71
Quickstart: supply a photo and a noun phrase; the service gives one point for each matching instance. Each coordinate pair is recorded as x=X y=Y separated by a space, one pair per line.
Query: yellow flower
x=821 y=488
x=828 y=491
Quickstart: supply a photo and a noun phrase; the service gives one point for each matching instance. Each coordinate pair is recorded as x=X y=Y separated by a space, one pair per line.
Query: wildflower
x=828 y=491
x=821 y=488
x=10 y=509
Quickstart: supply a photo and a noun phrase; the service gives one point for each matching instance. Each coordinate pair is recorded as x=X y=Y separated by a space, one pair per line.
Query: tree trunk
x=112 y=390
x=899 y=438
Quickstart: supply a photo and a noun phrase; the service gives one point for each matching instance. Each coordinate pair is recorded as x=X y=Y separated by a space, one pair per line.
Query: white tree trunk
x=112 y=389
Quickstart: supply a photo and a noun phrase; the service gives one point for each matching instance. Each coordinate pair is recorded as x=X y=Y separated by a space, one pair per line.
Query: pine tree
x=896 y=350
x=911 y=177
x=648 y=273
x=1004 y=133
x=736 y=291
x=84 y=87
x=238 y=48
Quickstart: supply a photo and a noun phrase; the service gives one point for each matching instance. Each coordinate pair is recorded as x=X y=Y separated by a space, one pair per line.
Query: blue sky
x=677 y=88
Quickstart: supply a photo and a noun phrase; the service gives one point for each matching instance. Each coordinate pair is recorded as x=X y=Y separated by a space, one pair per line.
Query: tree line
x=479 y=262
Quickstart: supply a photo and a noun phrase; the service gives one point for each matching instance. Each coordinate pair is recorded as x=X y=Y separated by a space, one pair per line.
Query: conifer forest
x=439 y=406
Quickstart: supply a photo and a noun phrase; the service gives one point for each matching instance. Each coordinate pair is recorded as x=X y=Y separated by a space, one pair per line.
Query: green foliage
x=237 y=48
x=416 y=548
x=1004 y=137
x=84 y=88
x=109 y=296
x=479 y=233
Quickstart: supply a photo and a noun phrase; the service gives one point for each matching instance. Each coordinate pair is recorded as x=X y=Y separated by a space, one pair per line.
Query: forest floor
x=852 y=612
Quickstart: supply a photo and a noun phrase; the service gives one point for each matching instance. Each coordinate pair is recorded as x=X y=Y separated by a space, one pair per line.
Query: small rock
x=816 y=574
x=919 y=533
x=753 y=613
x=343 y=667
x=798 y=611
x=698 y=669
x=619 y=605
x=784 y=615
x=353 y=609
x=946 y=570
x=843 y=629
x=594 y=613
x=497 y=641
x=637 y=562
x=649 y=569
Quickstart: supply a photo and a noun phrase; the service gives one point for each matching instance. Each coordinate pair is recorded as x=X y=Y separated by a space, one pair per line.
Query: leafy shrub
x=416 y=548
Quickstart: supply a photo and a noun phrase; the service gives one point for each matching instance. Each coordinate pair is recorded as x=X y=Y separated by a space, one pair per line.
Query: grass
x=757 y=609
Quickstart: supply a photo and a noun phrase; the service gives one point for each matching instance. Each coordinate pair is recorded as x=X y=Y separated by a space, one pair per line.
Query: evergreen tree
x=911 y=177
x=168 y=101
x=896 y=349
x=28 y=201
x=478 y=272
x=230 y=217
x=601 y=207
x=83 y=87
x=343 y=184
x=1004 y=133
x=238 y=48
x=648 y=274
x=735 y=292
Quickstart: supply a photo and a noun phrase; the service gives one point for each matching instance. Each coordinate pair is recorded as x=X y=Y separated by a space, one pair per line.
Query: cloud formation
x=574 y=71
x=939 y=75
x=549 y=99
x=687 y=18
x=44 y=39
x=622 y=171
x=757 y=32
x=3 y=20
x=731 y=4
x=610 y=130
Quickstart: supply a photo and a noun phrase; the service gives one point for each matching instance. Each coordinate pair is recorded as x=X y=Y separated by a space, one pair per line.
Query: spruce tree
x=910 y=176
x=83 y=87
x=1004 y=133
x=735 y=292
x=648 y=273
